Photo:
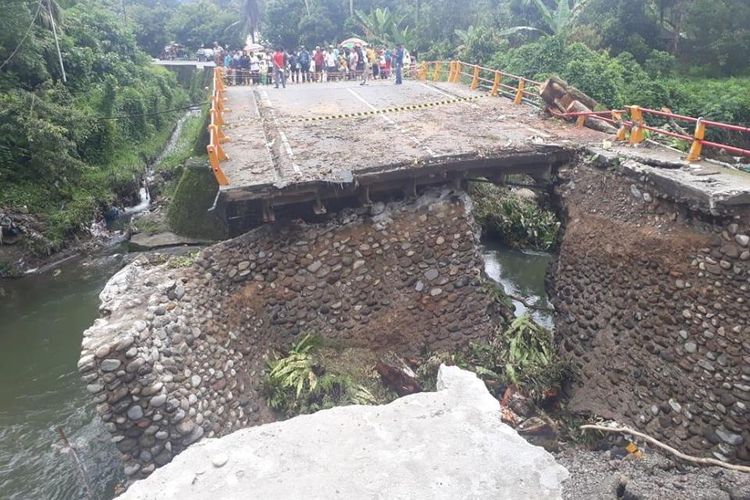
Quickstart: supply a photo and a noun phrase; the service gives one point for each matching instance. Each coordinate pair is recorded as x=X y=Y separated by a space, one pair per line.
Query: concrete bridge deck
x=314 y=132
x=318 y=142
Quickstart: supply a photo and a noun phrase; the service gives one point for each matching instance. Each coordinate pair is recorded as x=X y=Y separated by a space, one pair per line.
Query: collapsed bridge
x=324 y=145
x=650 y=286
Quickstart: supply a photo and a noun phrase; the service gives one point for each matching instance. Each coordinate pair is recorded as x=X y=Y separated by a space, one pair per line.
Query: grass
x=185 y=148
x=182 y=261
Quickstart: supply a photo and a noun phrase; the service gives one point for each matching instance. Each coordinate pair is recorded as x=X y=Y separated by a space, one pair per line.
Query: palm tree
x=250 y=19
x=555 y=21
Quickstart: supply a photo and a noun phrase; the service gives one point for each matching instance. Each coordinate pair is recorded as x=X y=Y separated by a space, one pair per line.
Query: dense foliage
x=300 y=383
x=68 y=148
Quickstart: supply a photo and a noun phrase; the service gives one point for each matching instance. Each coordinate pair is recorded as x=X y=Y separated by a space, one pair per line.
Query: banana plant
x=382 y=26
x=555 y=21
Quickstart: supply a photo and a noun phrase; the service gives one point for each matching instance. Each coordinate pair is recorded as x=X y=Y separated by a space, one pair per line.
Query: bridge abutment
x=179 y=353
x=653 y=307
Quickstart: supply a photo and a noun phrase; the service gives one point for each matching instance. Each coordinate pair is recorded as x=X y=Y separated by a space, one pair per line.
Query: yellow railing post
x=451 y=70
x=422 y=71
x=519 y=91
x=438 y=73
x=215 y=151
x=622 y=129
x=475 y=79
x=496 y=83
x=637 y=132
x=697 y=147
x=214 y=161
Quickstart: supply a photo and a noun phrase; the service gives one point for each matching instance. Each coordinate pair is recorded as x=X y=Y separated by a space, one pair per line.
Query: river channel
x=42 y=318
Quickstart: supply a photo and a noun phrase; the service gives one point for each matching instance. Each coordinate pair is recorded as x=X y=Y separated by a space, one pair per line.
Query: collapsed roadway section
x=312 y=148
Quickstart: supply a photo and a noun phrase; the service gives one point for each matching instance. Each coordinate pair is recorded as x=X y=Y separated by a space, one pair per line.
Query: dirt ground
x=604 y=475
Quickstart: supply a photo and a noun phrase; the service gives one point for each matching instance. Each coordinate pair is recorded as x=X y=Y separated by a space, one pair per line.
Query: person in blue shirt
x=399 y=61
x=304 y=62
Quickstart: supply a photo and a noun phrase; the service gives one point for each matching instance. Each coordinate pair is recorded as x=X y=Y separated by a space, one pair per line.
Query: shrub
x=298 y=383
x=524 y=356
x=517 y=222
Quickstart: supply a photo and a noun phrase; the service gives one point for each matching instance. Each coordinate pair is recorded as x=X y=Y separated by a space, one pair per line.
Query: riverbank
x=136 y=210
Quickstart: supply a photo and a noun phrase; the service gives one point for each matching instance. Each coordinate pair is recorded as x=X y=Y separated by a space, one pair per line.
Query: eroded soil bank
x=652 y=306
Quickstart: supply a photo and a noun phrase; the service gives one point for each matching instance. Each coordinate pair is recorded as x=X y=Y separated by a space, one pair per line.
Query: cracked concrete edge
x=426 y=445
x=717 y=191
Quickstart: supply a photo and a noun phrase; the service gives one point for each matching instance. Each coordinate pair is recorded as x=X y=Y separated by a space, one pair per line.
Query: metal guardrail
x=493 y=80
x=216 y=153
x=632 y=130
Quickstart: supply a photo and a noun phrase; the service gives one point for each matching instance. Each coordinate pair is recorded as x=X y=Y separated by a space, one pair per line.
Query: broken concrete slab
x=445 y=444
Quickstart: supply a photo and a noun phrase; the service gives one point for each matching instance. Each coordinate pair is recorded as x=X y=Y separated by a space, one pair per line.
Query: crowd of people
x=360 y=63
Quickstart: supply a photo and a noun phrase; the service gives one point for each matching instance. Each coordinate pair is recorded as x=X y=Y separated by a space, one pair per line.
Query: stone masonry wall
x=178 y=353
x=653 y=308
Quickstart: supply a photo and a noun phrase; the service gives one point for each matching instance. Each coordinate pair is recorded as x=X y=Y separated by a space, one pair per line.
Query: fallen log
x=666 y=447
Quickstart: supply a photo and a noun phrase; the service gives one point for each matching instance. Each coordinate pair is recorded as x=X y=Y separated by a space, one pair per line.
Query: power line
x=38 y=10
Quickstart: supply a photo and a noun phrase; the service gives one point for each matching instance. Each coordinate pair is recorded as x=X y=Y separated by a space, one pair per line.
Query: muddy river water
x=41 y=321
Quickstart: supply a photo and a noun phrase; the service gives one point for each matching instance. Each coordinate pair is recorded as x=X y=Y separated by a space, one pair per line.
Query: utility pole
x=57 y=42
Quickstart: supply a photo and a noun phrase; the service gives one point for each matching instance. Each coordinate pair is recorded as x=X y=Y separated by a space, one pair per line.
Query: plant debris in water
x=517 y=221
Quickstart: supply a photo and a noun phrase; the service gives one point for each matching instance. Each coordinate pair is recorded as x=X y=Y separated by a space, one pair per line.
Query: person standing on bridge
x=331 y=68
x=399 y=61
x=294 y=66
x=361 y=63
x=304 y=62
x=279 y=67
x=320 y=59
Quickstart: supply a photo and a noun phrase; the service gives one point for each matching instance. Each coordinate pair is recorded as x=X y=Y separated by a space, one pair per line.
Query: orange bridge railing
x=216 y=153
x=634 y=130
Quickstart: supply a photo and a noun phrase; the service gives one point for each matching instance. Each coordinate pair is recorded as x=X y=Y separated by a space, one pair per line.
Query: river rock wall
x=178 y=353
x=652 y=304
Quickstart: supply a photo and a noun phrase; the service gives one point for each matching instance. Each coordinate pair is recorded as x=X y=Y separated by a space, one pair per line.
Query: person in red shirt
x=279 y=67
x=320 y=61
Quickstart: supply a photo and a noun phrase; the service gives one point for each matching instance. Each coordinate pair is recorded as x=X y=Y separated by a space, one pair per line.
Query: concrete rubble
x=444 y=444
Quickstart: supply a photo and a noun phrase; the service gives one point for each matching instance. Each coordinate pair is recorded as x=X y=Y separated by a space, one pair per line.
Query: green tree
x=556 y=20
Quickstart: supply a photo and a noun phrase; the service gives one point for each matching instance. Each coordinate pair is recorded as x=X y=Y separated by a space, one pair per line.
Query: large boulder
x=446 y=444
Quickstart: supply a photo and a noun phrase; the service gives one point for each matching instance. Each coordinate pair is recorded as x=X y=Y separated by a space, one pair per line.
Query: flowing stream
x=521 y=272
x=144 y=194
x=43 y=317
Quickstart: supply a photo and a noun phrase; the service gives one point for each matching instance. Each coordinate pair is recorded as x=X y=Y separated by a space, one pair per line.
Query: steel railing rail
x=632 y=130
